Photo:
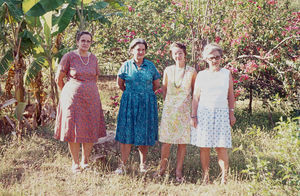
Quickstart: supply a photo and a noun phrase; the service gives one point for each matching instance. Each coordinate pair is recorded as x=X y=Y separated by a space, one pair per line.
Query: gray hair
x=209 y=48
x=136 y=42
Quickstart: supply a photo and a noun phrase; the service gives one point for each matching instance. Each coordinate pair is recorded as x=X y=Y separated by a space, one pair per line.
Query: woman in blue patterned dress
x=138 y=117
x=213 y=111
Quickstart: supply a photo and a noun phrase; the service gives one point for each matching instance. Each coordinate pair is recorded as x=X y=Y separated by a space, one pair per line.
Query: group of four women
x=198 y=108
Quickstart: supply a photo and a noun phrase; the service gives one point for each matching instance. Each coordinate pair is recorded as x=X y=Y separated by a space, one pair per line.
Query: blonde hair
x=209 y=48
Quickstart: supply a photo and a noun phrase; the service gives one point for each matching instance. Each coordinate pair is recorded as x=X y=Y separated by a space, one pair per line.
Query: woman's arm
x=193 y=81
x=195 y=102
x=155 y=85
x=59 y=79
x=231 y=101
x=164 y=87
x=121 y=84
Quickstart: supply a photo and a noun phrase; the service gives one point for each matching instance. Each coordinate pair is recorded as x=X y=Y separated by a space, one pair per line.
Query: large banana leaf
x=64 y=18
x=46 y=21
x=6 y=62
x=14 y=8
x=26 y=6
x=28 y=41
x=33 y=69
x=44 y=6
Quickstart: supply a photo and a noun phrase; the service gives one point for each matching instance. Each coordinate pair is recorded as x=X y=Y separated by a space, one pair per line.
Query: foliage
x=260 y=39
x=273 y=163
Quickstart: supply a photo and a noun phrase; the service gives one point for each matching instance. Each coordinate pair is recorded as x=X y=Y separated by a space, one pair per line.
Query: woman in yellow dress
x=177 y=89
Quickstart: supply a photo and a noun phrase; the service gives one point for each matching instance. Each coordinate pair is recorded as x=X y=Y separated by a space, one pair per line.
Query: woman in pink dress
x=79 y=116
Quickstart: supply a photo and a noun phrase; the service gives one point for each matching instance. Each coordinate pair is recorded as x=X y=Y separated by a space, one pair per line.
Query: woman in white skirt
x=213 y=111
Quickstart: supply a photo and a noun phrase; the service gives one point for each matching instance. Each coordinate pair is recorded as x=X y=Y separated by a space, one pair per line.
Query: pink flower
x=132 y=33
x=272 y=2
x=217 y=39
x=163 y=25
x=130 y=8
x=157 y=60
x=235 y=81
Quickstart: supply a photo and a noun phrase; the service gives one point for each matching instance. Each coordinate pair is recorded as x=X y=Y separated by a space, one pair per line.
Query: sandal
x=180 y=179
x=84 y=165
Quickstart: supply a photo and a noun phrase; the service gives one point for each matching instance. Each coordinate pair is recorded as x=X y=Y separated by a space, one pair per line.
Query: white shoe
x=75 y=169
x=143 y=168
x=84 y=165
x=120 y=170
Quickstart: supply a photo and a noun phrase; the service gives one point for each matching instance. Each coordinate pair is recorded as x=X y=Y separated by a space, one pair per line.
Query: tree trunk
x=250 y=99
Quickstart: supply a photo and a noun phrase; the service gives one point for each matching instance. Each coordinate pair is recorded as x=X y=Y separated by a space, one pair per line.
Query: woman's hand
x=60 y=80
x=194 y=122
x=232 y=118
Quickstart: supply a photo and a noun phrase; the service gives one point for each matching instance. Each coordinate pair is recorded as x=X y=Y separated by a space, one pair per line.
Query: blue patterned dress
x=138 y=117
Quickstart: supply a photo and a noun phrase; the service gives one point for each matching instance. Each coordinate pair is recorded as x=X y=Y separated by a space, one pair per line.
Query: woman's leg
x=181 y=150
x=125 y=151
x=86 y=151
x=223 y=163
x=205 y=157
x=74 y=149
x=143 y=150
x=164 y=158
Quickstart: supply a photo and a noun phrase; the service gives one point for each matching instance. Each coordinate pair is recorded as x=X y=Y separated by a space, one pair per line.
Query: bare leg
x=165 y=152
x=223 y=163
x=143 y=150
x=125 y=151
x=86 y=151
x=205 y=158
x=180 y=158
x=74 y=149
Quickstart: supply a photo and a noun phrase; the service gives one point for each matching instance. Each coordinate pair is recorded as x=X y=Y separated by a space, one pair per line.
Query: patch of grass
x=263 y=161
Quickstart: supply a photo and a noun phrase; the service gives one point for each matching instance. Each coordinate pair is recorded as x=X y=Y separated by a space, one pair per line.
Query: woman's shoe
x=75 y=169
x=120 y=170
x=84 y=165
x=180 y=179
x=143 y=168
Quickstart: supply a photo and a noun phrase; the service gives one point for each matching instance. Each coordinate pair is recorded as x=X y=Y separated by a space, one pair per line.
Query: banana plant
x=17 y=42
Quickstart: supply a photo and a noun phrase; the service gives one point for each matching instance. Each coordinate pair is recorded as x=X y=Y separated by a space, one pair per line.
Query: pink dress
x=79 y=116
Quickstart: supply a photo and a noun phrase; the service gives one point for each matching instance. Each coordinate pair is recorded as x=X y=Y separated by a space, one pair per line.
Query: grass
x=263 y=161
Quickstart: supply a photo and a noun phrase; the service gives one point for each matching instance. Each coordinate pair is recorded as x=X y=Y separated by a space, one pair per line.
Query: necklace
x=175 y=85
x=82 y=60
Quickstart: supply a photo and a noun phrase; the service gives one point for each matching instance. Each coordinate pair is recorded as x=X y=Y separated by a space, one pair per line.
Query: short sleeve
x=64 y=64
x=156 y=74
x=121 y=72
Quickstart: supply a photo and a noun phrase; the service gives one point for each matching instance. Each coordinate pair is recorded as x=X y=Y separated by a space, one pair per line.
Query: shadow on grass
x=262 y=119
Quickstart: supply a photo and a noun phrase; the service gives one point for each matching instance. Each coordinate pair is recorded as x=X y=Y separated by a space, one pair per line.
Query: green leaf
x=34 y=68
x=6 y=62
x=14 y=9
x=65 y=18
x=28 y=4
x=46 y=21
x=44 y=6
x=100 y=5
x=19 y=110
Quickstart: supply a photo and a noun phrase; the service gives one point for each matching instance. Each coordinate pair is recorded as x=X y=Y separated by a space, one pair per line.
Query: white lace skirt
x=213 y=128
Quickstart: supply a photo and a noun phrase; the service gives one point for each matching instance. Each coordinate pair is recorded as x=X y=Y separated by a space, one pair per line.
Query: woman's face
x=214 y=58
x=84 y=43
x=178 y=54
x=139 y=52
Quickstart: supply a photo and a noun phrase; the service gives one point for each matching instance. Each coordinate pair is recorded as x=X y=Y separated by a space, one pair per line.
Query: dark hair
x=81 y=33
x=136 y=42
x=178 y=45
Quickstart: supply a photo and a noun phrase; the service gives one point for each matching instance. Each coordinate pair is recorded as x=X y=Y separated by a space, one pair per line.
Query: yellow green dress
x=175 y=123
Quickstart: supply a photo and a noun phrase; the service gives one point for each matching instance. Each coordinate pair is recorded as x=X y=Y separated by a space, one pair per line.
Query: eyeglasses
x=85 y=41
x=214 y=58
